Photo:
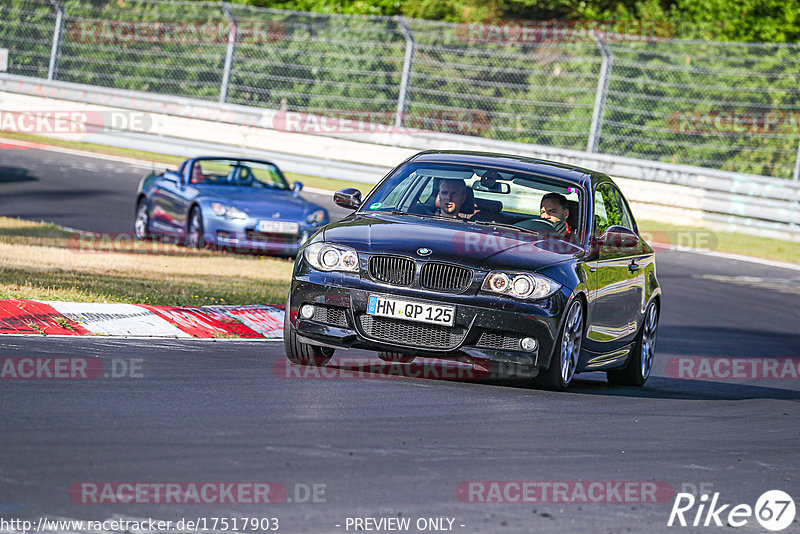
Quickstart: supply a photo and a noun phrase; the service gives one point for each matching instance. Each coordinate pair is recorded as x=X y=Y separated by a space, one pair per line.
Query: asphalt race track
x=222 y=411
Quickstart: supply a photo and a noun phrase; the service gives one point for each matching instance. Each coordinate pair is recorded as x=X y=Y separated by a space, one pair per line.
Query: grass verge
x=744 y=244
x=40 y=261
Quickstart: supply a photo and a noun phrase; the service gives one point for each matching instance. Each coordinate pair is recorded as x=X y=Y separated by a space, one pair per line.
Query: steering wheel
x=537 y=225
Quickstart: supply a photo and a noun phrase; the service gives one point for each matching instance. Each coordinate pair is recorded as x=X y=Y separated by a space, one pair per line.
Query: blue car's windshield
x=243 y=173
x=481 y=194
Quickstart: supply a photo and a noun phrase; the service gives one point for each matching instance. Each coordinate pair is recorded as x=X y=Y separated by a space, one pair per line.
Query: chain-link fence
x=729 y=106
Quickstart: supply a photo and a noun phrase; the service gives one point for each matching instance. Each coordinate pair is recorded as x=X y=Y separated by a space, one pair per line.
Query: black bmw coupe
x=520 y=266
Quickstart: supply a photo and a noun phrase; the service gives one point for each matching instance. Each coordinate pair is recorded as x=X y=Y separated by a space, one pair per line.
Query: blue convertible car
x=244 y=205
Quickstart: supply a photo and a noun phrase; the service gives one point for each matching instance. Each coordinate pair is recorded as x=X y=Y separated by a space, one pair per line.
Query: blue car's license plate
x=411 y=310
x=278 y=227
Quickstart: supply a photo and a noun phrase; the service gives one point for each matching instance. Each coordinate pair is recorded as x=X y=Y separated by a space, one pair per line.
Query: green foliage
x=469 y=78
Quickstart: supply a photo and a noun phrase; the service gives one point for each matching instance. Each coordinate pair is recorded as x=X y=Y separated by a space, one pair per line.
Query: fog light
x=306 y=311
x=527 y=343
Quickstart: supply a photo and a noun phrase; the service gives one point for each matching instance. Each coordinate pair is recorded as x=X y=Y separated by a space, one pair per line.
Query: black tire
x=302 y=353
x=640 y=364
x=395 y=357
x=195 y=237
x=141 y=223
x=557 y=377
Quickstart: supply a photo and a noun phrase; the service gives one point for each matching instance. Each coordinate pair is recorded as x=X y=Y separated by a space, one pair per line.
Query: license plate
x=410 y=310
x=277 y=227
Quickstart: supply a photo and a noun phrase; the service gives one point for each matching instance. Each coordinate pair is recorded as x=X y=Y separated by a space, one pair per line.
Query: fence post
x=226 y=72
x=51 y=69
x=796 y=175
x=405 y=80
x=600 y=96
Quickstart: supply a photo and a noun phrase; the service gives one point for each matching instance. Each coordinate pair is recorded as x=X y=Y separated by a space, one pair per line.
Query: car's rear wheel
x=640 y=364
x=565 y=358
x=302 y=353
x=395 y=357
x=195 y=237
x=141 y=225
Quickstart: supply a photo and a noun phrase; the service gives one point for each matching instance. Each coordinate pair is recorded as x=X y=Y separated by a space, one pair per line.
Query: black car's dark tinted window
x=507 y=198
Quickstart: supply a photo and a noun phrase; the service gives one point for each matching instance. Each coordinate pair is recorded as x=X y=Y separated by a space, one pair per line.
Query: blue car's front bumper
x=242 y=237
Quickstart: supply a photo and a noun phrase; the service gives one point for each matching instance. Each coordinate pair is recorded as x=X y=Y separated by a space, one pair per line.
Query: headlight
x=330 y=257
x=229 y=212
x=316 y=217
x=520 y=285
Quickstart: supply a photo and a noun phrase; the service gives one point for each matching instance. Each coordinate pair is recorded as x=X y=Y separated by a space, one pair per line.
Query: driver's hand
x=560 y=227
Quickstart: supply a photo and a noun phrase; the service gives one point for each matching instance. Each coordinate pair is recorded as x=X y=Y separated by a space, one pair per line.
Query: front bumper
x=487 y=328
x=241 y=237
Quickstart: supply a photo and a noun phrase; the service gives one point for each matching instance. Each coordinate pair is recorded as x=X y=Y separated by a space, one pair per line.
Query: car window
x=607 y=208
x=625 y=214
x=516 y=199
x=242 y=173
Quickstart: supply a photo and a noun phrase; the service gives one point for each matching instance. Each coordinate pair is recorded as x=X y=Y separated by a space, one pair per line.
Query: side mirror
x=296 y=188
x=618 y=238
x=348 y=198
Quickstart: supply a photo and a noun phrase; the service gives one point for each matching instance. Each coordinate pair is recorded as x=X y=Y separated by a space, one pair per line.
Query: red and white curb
x=18 y=316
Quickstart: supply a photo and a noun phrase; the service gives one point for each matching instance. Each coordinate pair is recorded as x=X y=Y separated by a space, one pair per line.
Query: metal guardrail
x=742 y=201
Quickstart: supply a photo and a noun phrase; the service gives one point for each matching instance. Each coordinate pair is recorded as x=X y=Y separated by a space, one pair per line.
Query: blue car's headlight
x=229 y=212
x=520 y=285
x=329 y=257
x=316 y=217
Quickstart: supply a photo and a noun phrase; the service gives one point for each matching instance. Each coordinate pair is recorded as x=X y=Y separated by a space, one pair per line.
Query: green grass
x=40 y=261
x=745 y=244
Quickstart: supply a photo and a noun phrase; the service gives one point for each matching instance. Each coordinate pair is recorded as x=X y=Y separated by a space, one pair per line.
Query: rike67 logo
x=774 y=510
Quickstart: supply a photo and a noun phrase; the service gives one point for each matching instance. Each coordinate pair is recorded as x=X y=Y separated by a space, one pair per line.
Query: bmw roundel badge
x=424 y=251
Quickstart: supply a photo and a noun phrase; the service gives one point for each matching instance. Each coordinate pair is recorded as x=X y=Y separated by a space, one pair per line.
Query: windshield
x=481 y=195
x=241 y=173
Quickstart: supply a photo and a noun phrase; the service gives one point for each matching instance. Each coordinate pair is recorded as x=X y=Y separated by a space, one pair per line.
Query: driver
x=555 y=208
x=452 y=194
x=197 y=174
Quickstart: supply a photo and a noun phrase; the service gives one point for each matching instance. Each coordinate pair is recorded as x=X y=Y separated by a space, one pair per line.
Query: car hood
x=458 y=242
x=260 y=203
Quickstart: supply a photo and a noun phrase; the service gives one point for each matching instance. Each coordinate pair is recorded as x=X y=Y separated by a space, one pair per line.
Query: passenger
x=452 y=194
x=555 y=208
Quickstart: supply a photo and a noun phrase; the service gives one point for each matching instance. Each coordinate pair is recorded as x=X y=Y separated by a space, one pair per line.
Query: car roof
x=571 y=173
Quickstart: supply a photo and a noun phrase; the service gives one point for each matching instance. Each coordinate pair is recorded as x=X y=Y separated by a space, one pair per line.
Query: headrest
x=484 y=204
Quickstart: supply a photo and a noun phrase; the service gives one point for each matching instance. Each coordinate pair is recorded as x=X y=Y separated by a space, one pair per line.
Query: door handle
x=633 y=267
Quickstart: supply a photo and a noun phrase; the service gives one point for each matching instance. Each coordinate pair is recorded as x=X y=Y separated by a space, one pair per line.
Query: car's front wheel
x=640 y=364
x=141 y=225
x=395 y=357
x=565 y=358
x=302 y=353
x=195 y=237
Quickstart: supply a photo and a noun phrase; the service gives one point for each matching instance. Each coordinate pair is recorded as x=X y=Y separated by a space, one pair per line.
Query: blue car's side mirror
x=296 y=188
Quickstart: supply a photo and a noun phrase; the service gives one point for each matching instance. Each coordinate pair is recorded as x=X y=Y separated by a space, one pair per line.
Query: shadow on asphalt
x=726 y=341
x=656 y=387
x=15 y=174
